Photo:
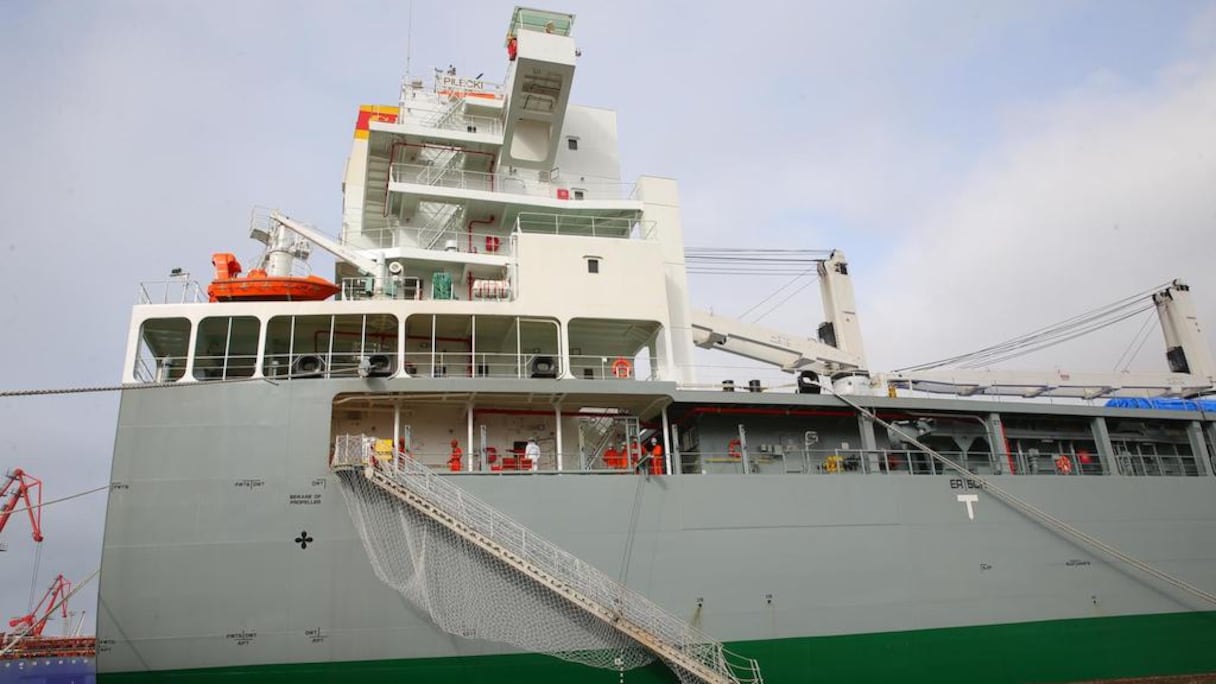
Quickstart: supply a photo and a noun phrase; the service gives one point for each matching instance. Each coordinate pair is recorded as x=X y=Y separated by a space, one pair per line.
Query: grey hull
x=227 y=542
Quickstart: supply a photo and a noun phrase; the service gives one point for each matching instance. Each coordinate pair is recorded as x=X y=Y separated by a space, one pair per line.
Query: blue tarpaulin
x=1164 y=404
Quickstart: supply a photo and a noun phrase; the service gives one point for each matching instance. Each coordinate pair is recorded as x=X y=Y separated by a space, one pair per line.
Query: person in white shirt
x=532 y=453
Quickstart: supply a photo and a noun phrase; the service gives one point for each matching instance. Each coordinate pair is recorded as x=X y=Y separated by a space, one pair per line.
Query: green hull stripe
x=1055 y=651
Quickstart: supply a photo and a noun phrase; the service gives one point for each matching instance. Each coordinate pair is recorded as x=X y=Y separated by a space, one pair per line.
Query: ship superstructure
x=511 y=324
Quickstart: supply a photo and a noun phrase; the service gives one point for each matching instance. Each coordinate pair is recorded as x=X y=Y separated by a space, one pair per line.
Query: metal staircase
x=443 y=162
x=447 y=115
x=439 y=220
x=692 y=654
x=600 y=432
x=375 y=191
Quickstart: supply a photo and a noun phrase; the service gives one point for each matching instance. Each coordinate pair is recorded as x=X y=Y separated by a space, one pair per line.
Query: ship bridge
x=500 y=191
x=442 y=184
x=542 y=55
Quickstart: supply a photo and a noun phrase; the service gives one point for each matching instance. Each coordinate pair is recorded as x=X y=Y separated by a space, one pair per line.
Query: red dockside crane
x=27 y=489
x=32 y=624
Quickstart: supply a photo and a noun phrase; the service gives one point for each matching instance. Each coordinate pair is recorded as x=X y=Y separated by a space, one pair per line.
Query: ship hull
x=48 y=670
x=1062 y=650
x=229 y=551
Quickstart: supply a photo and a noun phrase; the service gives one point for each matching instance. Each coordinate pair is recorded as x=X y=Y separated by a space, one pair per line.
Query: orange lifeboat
x=257 y=286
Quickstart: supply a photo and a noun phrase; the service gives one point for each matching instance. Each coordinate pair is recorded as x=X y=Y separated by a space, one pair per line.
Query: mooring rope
x=1035 y=513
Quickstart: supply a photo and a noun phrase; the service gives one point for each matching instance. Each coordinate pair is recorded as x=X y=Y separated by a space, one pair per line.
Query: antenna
x=405 y=78
x=409 y=37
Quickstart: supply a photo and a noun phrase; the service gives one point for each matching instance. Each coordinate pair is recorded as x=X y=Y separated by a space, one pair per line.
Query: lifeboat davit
x=258 y=286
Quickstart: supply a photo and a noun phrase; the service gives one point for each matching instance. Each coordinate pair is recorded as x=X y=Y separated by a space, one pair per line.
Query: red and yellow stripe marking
x=370 y=113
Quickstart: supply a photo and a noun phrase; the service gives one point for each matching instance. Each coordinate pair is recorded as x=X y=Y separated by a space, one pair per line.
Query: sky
x=988 y=168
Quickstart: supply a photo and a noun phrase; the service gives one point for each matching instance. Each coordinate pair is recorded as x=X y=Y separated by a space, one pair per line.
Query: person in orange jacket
x=656 y=457
x=612 y=458
x=456 y=459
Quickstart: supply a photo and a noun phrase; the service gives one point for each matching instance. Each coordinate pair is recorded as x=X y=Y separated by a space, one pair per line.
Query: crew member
x=456 y=459
x=532 y=453
x=1084 y=460
x=656 y=457
x=612 y=458
x=635 y=453
x=512 y=47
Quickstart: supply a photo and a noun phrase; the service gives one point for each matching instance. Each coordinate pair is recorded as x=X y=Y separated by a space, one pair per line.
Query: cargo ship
x=47 y=660
x=481 y=452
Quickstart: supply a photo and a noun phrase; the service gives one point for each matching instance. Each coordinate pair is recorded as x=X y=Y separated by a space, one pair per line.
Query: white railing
x=599 y=367
x=455 y=120
x=406 y=287
x=463 y=364
x=538 y=553
x=445 y=107
x=172 y=291
x=395 y=236
x=420 y=174
x=437 y=118
x=593 y=226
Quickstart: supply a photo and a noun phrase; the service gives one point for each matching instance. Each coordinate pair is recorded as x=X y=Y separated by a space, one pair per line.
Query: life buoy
x=621 y=368
x=734 y=449
x=1063 y=465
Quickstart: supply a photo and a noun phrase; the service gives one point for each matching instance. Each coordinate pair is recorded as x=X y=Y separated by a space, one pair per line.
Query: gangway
x=693 y=655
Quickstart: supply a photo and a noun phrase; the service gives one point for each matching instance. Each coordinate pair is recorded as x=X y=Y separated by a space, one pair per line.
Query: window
x=579 y=193
x=161 y=354
x=572 y=143
x=345 y=345
x=593 y=265
x=226 y=347
x=440 y=345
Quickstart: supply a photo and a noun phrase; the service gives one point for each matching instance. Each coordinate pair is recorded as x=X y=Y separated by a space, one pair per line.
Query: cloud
x=1091 y=196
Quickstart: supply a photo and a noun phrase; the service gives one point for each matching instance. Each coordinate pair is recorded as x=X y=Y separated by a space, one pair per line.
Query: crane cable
x=753 y=262
x=1036 y=514
x=77 y=495
x=784 y=299
x=1060 y=338
x=1050 y=335
x=34 y=576
x=776 y=292
x=1128 y=354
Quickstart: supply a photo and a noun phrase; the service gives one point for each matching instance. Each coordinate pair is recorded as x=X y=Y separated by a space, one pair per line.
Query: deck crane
x=377 y=268
x=1192 y=371
x=838 y=353
x=22 y=487
x=55 y=597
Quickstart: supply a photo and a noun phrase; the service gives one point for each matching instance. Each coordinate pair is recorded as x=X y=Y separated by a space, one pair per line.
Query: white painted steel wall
x=597 y=158
x=661 y=204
